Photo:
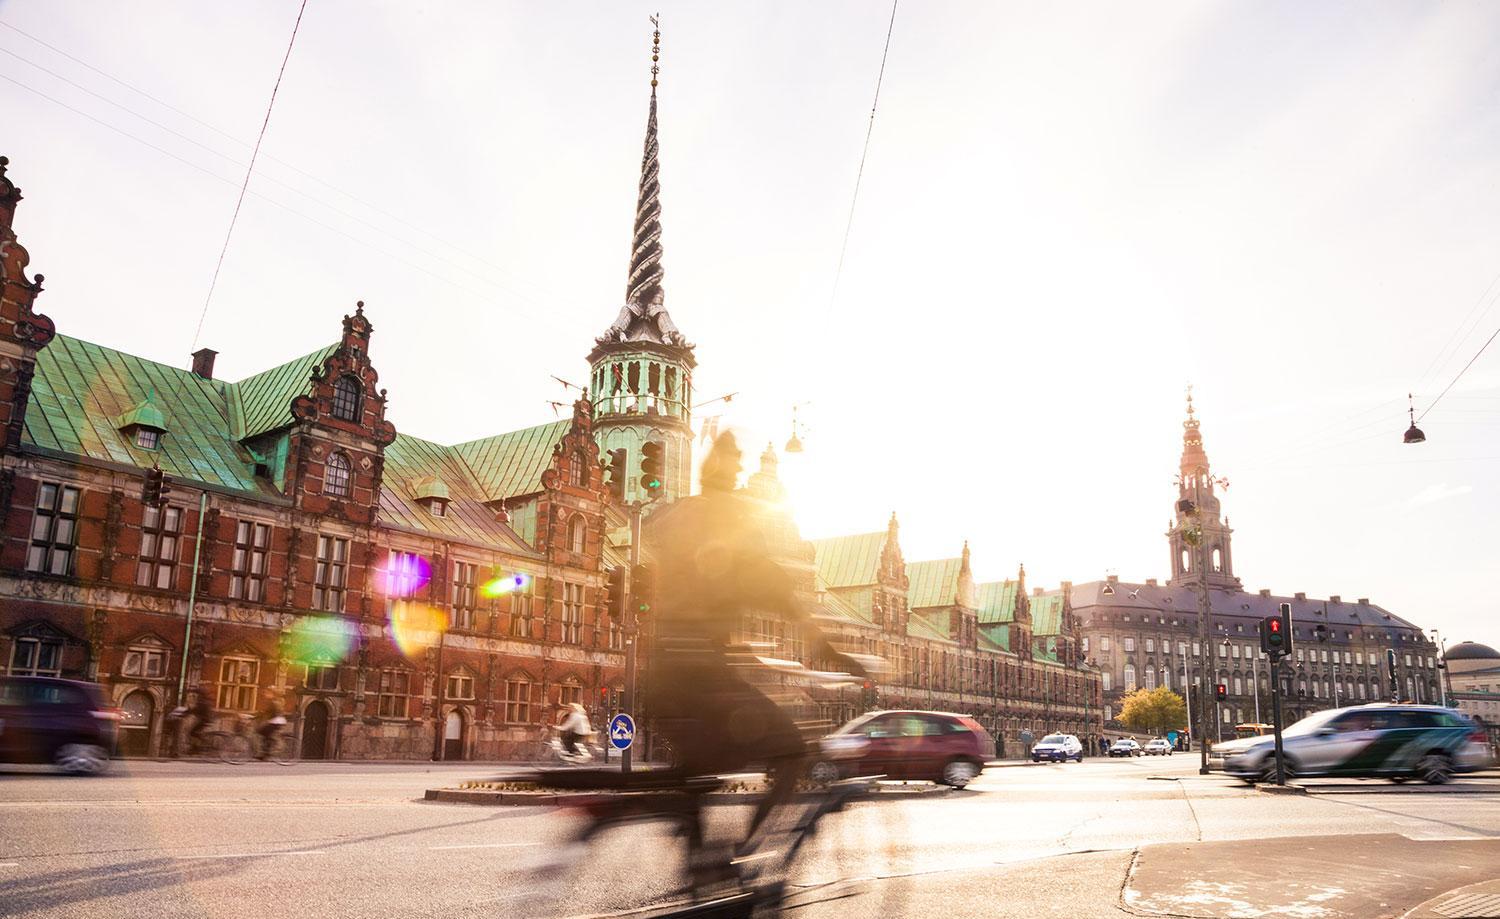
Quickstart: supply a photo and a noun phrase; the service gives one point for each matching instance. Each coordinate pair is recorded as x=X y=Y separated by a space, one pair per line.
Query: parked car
x=1058 y=748
x=1159 y=747
x=1124 y=747
x=63 y=722
x=926 y=746
x=1395 y=740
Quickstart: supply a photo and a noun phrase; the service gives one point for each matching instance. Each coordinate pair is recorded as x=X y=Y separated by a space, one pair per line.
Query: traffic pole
x=1276 y=717
x=632 y=632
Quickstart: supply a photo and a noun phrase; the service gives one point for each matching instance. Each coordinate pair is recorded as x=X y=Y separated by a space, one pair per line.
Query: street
x=1104 y=838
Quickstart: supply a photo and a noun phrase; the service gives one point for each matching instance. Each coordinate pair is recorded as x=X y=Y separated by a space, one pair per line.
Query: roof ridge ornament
x=644 y=317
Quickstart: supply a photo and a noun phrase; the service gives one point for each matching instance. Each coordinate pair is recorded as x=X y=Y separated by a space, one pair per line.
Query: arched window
x=346 y=391
x=576 y=471
x=1218 y=559
x=1129 y=678
x=336 y=476
x=576 y=531
x=1187 y=560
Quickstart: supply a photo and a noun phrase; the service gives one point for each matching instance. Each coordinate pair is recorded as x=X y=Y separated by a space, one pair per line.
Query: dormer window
x=432 y=494
x=437 y=508
x=146 y=438
x=346 y=393
x=144 y=424
x=336 y=476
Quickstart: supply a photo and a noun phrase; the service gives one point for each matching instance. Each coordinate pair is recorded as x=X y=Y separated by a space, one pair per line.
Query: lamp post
x=1443 y=685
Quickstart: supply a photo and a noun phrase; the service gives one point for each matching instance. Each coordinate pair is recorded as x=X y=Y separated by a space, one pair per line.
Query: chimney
x=1299 y=595
x=1113 y=579
x=1151 y=582
x=203 y=362
x=1335 y=599
x=1364 y=601
x=1265 y=591
x=1036 y=591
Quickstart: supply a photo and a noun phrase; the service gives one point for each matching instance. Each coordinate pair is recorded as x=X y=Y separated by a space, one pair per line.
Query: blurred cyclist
x=272 y=721
x=573 y=728
x=201 y=713
x=714 y=567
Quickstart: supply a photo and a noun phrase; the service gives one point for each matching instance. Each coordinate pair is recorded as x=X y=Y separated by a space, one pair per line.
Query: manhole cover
x=1470 y=906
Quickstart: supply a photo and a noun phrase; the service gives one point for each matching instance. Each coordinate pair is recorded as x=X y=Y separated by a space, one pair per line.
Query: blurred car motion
x=1058 y=748
x=1394 y=740
x=1124 y=747
x=940 y=747
x=1159 y=747
x=63 y=722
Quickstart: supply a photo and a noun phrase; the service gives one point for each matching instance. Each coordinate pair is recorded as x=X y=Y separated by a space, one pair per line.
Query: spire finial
x=655 y=50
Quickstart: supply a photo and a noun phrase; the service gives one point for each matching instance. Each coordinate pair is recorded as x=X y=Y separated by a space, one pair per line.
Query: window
x=54 y=530
x=1197 y=649
x=336 y=476
x=1346 y=658
x=238 y=677
x=328 y=578
x=572 y=613
x=465 y=582
x=394 y=693
x=1239 y=686
x=346 y=390
x=1224 y=651
x=460 y=686
x=1299 y=655
x=576 y=471
x=1129 y=644
x=322 y=676
x=1129 y=678
x=569 y=692
x=437 y=507
x=520 y=610
x=1085 y=644
x=518 y=701
x=1226 y=715
x=1150 y=678
x=1407 y=658
x=1151 y=646
x=36 y=657
x=247 y=571
x=576 y=531
x=146 y=438
x=145 y=663
x=159 y=532
x=1235 y=651
x=1359 y=657
x=1104 y=643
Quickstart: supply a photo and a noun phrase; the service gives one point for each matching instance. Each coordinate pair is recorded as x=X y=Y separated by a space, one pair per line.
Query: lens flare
x=319 y=638
x=405 y=574
x=505 y=584
x=415 y=627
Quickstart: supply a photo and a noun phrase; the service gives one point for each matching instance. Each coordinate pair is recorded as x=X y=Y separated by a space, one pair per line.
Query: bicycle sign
x=621 y=731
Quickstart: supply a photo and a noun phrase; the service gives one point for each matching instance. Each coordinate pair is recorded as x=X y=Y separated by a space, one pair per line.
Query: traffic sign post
x=1276 y=640
x=621 y=731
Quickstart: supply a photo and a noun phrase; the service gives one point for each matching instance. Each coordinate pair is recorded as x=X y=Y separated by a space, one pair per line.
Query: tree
x=1154 y=711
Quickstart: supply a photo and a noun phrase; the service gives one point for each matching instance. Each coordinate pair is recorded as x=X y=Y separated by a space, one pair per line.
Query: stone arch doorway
x=453 y=735
x=315 y=730
x=138 y=711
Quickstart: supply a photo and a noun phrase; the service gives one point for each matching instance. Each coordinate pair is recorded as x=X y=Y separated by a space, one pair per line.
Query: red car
x=927 y=746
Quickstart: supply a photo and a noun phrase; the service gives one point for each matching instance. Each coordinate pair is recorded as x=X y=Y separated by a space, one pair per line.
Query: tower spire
x=643 y=317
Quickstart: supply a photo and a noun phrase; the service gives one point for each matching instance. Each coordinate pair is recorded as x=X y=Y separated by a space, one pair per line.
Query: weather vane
x=655 y=49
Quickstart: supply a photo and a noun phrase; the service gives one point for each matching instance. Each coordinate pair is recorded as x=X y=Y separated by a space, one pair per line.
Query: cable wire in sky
x=859 y=176
x=244 y=186
x=1434 y=402
x=1464 y=329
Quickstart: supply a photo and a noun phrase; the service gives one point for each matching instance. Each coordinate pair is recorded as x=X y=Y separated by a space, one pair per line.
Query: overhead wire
x=1455 y=340
x=864 y=154
x=1487 y=343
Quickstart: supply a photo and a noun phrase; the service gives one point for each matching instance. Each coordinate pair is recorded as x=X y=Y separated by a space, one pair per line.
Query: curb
x=1282 y=789
x=486 y=798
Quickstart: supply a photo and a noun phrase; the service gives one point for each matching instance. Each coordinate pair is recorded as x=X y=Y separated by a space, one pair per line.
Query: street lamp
x=1444 y=687
x=1413 y=434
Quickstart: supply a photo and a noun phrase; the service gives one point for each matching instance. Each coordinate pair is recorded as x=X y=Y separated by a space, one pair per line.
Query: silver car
x=1396 y=741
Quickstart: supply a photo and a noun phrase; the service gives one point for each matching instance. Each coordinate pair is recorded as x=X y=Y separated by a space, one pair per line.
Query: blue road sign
x=621 y=731
x=1172 y=738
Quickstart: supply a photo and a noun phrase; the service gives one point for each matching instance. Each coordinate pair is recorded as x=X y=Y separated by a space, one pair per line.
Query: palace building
x=1148 y=634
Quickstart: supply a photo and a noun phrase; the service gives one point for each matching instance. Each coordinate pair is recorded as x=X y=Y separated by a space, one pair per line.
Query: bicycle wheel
x=283 y=751
x=233 y=748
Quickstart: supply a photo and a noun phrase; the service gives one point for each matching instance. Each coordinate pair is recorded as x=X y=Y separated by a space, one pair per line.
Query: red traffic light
x=1221 y=691
x=1275 y=625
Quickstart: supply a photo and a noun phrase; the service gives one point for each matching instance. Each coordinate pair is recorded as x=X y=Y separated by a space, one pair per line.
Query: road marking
x=256 y=854
x=10 y=864
x=484 y=845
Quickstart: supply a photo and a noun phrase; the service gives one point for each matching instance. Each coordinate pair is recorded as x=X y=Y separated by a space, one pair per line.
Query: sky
x=1067 y=214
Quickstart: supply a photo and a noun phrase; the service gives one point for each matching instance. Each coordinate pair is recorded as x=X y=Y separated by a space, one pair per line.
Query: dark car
x=926 y=746
x=63 y=722
x=1125 y=747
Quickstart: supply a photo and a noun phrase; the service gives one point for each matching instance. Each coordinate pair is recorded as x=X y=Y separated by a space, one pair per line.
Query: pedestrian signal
x=643 y=586
x=1273 y=636
x=615 y=475
x=651 y=468
x=1221 y=691
x=615 y=593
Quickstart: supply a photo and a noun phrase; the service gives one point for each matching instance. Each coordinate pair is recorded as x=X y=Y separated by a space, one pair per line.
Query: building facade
x=1144 y=635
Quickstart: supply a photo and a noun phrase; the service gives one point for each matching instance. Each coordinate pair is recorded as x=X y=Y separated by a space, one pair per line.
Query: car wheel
x=81 y=758
x=1435 y=769
x=823 y=773
x=1268 y=770
x=959 y=772
x=1399 y=779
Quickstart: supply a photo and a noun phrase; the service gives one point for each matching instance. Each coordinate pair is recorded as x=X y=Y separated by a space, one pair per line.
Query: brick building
x=1147 y=634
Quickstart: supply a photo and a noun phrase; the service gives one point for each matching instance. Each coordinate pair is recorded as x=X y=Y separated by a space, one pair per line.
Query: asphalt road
x=1104 y=838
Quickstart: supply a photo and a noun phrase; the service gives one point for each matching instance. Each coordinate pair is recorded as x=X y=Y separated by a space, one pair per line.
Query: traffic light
x=651 y=468
x=1273 y=637
x=1221 y=691
x=615 y=475
x=1286 y=628
x=615 y=593
x=156 y=488
x=643 y=585
x=868 y=697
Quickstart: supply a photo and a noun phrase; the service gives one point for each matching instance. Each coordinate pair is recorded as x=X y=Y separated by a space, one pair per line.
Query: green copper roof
x=81 y=388
x=917 y=626
x=997 y=635
x=837 y=606
x=263 y=402
x=933 y=583
x=409 y=461
x=508 y=465
x=986 y=643
x=1046 y=614
x=146 y=414
x=850 y=561
x=996 y=601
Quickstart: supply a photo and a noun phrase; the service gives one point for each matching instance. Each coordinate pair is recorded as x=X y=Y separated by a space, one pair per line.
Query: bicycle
x=279 y=748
